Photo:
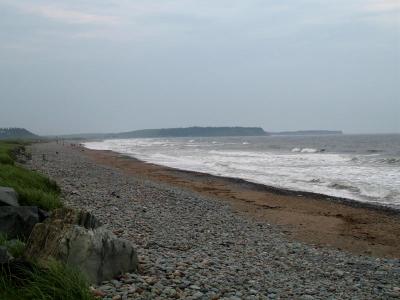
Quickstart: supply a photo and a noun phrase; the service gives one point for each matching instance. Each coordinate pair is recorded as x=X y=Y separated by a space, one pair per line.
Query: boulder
x=76 y=217
x=43 y=215
x=18 y=222
x=75 y=238
x=5 y=256
x=8 y=196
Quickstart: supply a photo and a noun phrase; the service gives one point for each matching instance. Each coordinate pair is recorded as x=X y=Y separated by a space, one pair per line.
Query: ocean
x=359 y=167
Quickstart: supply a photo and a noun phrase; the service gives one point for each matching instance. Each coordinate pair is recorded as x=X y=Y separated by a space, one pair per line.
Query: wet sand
x=312 y=218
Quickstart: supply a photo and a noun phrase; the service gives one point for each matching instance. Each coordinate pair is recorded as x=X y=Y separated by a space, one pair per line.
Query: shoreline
x=272 y=189
x=201 y=237
x=277 y=190
x=321 y=220
x=387 y=208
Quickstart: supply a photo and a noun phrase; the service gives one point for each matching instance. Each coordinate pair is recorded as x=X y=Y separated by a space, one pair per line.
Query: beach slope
x=202 y=237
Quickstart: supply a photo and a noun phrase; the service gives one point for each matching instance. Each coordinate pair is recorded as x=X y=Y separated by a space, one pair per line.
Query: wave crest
x=307 y=150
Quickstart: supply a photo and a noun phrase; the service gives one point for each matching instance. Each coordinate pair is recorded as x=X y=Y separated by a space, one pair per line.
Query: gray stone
x=307 y=297
x=76 y=217
x=195 y=287
x=97 y=252
x=5 y=256
x=8 y=196
x=197 y=295
x=116 y=283
x=181 y=229
x=18 y=221
x=43 y=215
x=339 y=273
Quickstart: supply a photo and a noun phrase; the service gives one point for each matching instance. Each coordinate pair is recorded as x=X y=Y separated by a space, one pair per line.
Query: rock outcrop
x=8 y=196
x=18 y=221
x=75 y=217
x=76 y=238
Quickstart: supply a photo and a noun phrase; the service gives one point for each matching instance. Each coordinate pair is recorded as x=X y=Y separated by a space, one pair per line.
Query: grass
x=15 y=247
x=55 y=282
x=32 y=187
x=26 y=281
x=6 y=152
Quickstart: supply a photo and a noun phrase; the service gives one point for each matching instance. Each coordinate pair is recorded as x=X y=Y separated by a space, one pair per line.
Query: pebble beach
x=192 y=246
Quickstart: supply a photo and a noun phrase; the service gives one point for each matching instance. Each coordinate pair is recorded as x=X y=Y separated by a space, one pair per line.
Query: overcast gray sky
x=116 y=65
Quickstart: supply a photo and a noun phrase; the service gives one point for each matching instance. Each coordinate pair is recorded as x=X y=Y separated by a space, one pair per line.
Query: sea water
x=359 y=167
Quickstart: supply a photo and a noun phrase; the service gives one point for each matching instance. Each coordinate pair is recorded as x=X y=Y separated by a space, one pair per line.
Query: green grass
x=6 y=155
x=15 y=247
x=55 y=282
x=32 y=187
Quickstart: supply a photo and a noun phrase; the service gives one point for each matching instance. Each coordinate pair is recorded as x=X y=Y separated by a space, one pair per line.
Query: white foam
x=309 y=150
x=327 y=173
x=305 y=150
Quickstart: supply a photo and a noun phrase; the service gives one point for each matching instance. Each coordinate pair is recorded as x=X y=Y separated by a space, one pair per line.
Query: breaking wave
x=360 y=175
x=307 y=150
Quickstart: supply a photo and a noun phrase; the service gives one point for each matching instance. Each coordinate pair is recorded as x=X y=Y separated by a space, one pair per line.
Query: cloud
x=63 y=14
x=384 y=12
x=383 y=6
x=132 y=20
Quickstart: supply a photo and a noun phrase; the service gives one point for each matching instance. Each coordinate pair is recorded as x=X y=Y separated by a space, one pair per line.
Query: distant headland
x=16 y=133
x=195 y=131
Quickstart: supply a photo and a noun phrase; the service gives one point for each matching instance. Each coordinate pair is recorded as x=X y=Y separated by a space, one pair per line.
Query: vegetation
x=193 y=132
x=15 y=246
x=56 y=281
x=25 y=280
x=32 y=187
x=16 y=133
x=6 y=152
x=21 y=279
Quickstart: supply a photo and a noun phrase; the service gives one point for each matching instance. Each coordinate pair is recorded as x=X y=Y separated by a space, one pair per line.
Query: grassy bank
x=32 y=187
x=56 y=281
x=7 y=150
x=24 y=279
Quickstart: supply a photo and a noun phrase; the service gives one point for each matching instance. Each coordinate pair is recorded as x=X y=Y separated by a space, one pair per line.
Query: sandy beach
x=203 y=237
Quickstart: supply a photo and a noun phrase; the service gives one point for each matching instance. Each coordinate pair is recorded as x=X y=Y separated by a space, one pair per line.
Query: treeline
x=16 y=133
x=192 y=132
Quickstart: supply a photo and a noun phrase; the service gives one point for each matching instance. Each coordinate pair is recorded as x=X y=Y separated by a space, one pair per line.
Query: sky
x=83 y=66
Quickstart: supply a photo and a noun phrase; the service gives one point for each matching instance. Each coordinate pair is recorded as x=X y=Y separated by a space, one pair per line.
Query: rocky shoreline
x=194 y=247
x=317 y=219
